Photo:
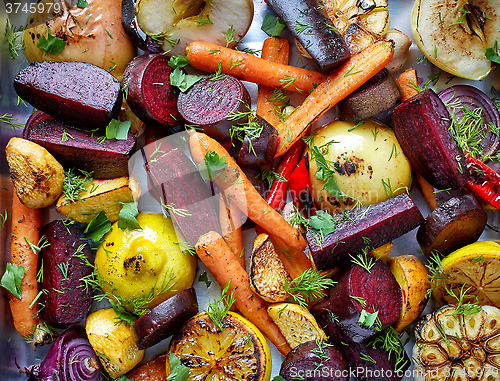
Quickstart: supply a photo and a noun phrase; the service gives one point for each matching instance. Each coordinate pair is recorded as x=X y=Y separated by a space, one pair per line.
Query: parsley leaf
x=51 y=44
x=127 y=217
x=183 y=81
x=118 y=130
x=204 y=278
x=12 y=278
x=214 y=165
x=368 y=319
x=176 y=62
x=272 y=26
x=278 y=378
x=323 y=222
x=178 y=371
x=123 y=378
x=98 y=227
x=82 y=4
x=492 y=53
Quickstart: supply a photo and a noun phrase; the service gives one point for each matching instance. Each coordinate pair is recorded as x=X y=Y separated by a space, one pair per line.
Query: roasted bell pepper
x=483 y=181
x=300 y=188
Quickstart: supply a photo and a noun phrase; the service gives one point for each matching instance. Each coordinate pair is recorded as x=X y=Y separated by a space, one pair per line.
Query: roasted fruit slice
x=176 y=23
x=463 y=342
x=474 y=268
x=235 y=351
x=361 y=22
x=454 y=35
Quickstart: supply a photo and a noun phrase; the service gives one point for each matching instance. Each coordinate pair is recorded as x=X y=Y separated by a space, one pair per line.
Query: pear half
x=454 y=34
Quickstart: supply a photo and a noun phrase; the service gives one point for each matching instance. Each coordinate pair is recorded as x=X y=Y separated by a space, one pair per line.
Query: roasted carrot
x=247 y=67
x=408 y=82
x=220 y=261
x=153 y=370
x=269 y=105
x=295 y=262
x=427 y=190
x=343 y=81
x=239 y=190
x=230 y=223
x=26 y=225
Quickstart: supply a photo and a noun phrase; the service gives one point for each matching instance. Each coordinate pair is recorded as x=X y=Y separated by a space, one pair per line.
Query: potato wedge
x=297 y=324
x=104 y=195
x=37 y=175
x=267 y=272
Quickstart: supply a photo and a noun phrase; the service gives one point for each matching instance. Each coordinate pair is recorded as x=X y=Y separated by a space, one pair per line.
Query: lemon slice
x=297 y=324
x=237 y=352
x=478 y=267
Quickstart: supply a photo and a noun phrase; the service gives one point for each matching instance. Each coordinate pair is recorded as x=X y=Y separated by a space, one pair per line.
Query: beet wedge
x=67 y=299
x=78 y=94
x=184 y=193
x=371 y=226
x=147 y=89
x=309 y=24
x=421 y=125
x=89 y=151
x=359 y=292
x=259 y=150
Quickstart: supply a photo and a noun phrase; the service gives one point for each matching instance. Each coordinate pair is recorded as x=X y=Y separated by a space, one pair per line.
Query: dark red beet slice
x=147 y=88
x=309 y=24
x=81 y=149
x=77 y=93
x=421 y=125
x=67 y=299
x=129 y=23
x=211 y=102
x=374 y=364
x=184 y=193
x=36 y=117
x=379 y=223
x=260 y=149
x=452 y=225
x=358 y=289
x=166 y=318
x=312 y=362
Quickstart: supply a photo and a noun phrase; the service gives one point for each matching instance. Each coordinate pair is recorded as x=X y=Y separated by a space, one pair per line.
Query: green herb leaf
x=204 y=278
x=308 y=287
x=390 y=341
x=118 y=130
x=82 y=4
x=272 y=26
x=323 y=222
x=74 y=185
x=51 y=44
x=121 y=313
x=127 y=217
x=178 y=371
x=177 y=62
x=98 y=227
x=492 y=53
x=278 y=378
x=12 y=35
x=368 y=319
x=12 y=278
x=183 y=81
x=218 y=309
x=214 y=165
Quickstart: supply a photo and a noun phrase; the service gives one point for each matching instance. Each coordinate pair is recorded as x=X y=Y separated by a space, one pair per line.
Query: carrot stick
x=220 y=261
x=275 y=49
x=153 y=370
x=239 y=190
x=212 y=58
x=408 y=82
x=338 y=85
x=26 y=225
x=230 y=223
x=427 y=191
x=295 y=262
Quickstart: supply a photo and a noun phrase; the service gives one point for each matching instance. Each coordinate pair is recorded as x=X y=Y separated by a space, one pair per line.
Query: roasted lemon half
x=238 y=351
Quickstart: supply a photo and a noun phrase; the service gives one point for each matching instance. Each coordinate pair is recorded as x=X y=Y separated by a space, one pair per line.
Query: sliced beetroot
x=377 y=224
x=460 y=99
x=213 y=104
x=421 y=125
x=131 y=27
x=452 y=225
x=166 y=318
x=369 y=363
x=358 y=292
x=311 y=26
x=315 y=361
x=259 y=150
x=147 y=88
x=184 y=193
x=86 y=150
x=77 y=93
x=36 y=117
x=64 y=260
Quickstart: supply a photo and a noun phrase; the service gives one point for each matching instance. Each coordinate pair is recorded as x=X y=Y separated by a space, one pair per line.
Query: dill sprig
x=12 y=35
x=308 y=287
x=436 y=272
x=74 y=185
x=219 y=308
x=390 y=341
x=466 y=304
x=9 y=119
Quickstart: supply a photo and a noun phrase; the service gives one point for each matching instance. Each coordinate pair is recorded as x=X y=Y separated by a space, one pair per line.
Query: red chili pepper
x=277 y=195
x=483 y=181
x=300 y=188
